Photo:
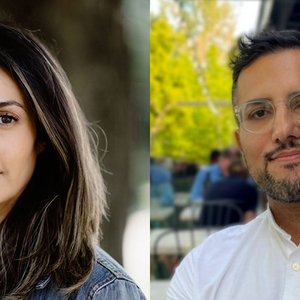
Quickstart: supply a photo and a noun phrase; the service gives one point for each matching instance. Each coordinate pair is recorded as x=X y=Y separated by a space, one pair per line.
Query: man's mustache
x=291 y=145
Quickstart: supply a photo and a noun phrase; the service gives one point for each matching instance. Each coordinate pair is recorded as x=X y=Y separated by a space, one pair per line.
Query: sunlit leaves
x=190 y=82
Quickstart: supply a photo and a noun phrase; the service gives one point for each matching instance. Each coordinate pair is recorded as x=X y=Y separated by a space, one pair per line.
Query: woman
x=52 y=195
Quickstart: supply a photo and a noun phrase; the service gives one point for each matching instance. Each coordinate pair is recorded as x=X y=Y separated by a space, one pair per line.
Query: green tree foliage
x=190 y=82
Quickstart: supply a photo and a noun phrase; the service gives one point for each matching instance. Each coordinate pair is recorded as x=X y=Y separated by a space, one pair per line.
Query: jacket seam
x=111 y=268
x=108 y=283
x=92 y=293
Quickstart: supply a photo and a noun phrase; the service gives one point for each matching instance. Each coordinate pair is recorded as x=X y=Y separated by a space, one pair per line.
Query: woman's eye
x=7 y=119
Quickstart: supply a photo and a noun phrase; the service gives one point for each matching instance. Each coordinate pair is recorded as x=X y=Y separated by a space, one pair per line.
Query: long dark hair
x=53 y=228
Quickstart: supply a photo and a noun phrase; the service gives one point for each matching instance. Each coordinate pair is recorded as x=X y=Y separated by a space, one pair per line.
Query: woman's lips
x=287 y=156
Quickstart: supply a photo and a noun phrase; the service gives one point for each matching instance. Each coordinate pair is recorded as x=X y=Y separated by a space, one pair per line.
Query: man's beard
x=281 y=190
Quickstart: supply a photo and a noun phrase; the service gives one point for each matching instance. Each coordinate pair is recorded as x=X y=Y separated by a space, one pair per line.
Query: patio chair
x=178 y=242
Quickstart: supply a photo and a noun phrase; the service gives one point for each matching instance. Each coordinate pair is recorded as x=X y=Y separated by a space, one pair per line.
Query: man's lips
x=286 y=156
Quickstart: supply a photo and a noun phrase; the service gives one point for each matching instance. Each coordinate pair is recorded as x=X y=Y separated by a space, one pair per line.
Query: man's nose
x=285 y=127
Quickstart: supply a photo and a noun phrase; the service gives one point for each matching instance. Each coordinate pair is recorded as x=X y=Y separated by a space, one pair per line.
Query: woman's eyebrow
x=11 y=102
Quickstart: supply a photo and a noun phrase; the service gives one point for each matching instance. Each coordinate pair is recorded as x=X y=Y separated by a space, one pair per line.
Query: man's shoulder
x=232 y=237
x=209 y=169
x=108 y=280
x=201 y=269
x=213 y=168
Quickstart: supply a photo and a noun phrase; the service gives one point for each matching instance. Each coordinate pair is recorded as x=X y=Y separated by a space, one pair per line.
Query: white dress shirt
x=256 y=261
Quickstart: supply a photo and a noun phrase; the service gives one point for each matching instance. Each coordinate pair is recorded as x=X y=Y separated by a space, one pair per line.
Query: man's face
x=224 y=163
x=273 y=158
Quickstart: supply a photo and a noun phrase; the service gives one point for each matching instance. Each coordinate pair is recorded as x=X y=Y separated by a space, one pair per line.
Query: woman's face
x=18 y=149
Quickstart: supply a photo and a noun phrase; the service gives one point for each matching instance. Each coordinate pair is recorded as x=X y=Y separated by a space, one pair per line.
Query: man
x=161 y=187
x=216 y=171
x=259 y=260
x=235 y=190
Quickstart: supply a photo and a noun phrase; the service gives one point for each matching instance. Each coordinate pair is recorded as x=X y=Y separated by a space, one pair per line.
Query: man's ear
x=40 y=147
x=238 y=139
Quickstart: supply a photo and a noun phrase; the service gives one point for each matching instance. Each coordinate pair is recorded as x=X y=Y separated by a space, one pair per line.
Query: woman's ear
x=40 y=147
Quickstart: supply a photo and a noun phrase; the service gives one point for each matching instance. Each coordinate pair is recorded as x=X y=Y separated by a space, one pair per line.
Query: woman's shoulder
x=106 y=265
x=109 y=280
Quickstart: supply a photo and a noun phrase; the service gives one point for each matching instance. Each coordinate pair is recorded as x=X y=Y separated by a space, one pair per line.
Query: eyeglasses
x=258 y=116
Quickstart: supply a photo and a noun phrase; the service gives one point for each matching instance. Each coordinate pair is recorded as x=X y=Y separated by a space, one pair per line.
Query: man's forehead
x=270 y=76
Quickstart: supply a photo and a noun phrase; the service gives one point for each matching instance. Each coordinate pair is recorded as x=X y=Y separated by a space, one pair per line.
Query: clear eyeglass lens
x=258 y=116
x=295 y=106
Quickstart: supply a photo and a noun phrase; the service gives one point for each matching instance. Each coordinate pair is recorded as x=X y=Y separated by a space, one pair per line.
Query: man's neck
x=287 y=216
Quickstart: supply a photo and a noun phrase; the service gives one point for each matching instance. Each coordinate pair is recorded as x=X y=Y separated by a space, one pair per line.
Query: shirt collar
x=275 y=226
x=42 y=284
x=283 y=239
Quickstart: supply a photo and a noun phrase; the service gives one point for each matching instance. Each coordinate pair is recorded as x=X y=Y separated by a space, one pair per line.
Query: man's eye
x=258 y=114
x=295 y=105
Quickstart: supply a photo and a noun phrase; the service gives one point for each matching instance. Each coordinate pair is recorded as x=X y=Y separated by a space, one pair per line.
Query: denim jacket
x=108 y=281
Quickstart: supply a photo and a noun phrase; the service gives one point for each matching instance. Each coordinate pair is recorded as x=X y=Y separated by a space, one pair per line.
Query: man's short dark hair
x=214 y=155
x=231 y=153
x=251 y=47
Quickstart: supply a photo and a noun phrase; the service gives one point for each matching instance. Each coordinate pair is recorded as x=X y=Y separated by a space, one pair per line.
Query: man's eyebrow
x=11 y=102
x=257 y=99
x=290 y=95
x=294 y=94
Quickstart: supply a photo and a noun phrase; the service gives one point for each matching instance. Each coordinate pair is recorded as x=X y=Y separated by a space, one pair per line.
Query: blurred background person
x=214 y=156
x=235 y=190
x=214 y=172
x=161 y=189
x=184 y=169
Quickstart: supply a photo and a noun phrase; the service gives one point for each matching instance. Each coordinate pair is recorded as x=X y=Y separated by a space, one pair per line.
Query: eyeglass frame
x=237 y=109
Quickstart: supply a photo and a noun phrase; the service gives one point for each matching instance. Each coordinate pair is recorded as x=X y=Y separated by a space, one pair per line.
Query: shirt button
x=295 y=266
